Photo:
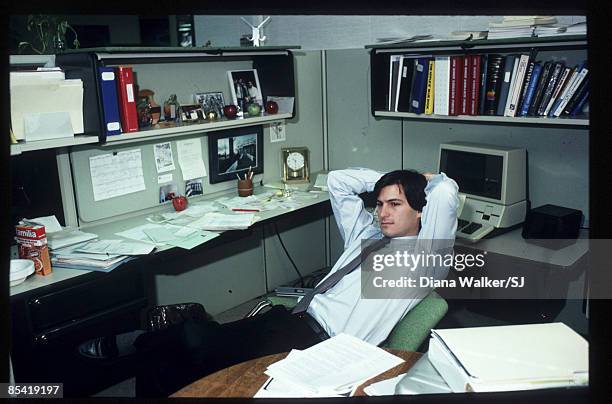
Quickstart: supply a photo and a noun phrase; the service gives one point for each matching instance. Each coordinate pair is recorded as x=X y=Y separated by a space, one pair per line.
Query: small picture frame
x=211 y=101
x=231 y=153
x=245 y=88
x=192 y=113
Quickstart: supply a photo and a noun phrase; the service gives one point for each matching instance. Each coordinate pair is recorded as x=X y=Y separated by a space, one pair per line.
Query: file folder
x=110 y=105
x=127 y=99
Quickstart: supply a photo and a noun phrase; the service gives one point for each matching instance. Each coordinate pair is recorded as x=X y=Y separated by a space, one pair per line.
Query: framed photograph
x=194 y=187
x=167 y=192
x=232 y=152
x=211 y=102
x=245 y=88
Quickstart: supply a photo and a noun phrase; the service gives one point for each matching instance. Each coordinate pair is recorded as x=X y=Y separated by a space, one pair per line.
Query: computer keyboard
x=461 y=223
x=471 y=228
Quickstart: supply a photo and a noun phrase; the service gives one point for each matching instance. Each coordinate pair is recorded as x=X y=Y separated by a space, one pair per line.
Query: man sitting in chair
x=409 y=205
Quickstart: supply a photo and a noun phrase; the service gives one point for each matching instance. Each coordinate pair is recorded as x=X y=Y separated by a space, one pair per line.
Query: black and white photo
x=234 y=152
x=212 y=101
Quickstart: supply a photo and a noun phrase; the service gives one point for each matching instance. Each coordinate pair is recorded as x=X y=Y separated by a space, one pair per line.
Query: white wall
x=337 y=32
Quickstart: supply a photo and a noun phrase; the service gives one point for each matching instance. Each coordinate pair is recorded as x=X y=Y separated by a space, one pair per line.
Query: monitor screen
x=475 y=173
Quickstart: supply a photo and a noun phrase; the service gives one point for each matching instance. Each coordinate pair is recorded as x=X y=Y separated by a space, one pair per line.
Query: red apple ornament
x=271 y=107
x=179 y=203
x=230 y=111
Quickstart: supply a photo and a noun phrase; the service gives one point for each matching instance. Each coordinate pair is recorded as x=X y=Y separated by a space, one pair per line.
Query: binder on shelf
x=532 y=356
x=127 y=99
x=571 y=90
x=509 y=64
x=441 y=84
x=558 y=89
x=429 y=93
x=474 y=90
x=405 y=84
x=419 y=85
x=584 y=99
x=541 y=87
x=484 y=67
x=531 y=87
x=465 y=85
x=556 y=73
x=516 y=86
x=495 y=78
x=456 y=80
x=109 y=100
x=394 y=66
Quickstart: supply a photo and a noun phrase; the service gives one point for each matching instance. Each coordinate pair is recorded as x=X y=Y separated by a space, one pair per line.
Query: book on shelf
x=579 y=76
x=429 y=96
x=516 y=86
x=394 y=66
x=494 y=80
x=581 y=102
x=579 y=94
x=127 y=99
x=524 y=86
x=484 y=66
x=531 y=87
x=541 y=86
x=419 y=85
x=563 y=79
x=402 y=103
x=464 y=97
x=441 y=84
x=456 y=80
x=554 y=77
x=474 y=91
x=509 y=63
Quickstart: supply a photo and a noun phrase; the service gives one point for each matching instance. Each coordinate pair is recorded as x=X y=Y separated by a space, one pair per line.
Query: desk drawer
x=84 y=300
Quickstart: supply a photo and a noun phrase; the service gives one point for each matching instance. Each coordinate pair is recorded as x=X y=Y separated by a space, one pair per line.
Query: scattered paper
x=219 y=221
x=50 y=222
x=118 y=247
x=137 y=233
x=163 y=157
x=162 y=179
x=116 y=174
x=384 y=387
x=336 y=364
x=190 y=158
x=68 y=237
x=195 y=240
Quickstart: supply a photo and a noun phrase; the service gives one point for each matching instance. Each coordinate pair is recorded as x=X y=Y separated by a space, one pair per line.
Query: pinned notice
x=116 y=174
x=190 y=158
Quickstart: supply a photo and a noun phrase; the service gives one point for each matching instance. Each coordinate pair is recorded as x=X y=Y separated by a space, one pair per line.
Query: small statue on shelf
x=153 y=106
x=171 y=109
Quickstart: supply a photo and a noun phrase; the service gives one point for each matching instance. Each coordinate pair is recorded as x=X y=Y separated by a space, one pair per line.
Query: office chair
x=407 y=335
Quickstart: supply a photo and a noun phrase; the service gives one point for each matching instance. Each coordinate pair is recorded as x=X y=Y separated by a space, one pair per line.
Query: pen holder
x=245 y=187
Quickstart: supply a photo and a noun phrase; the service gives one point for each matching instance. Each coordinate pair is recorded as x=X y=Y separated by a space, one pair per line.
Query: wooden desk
x=246 y=378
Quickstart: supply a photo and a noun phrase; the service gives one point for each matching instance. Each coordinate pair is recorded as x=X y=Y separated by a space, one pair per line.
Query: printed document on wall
x=116 y=174
x=190 y=158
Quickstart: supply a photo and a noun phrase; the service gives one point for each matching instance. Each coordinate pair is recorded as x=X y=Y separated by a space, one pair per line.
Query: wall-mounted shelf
x=504 y=120
x=23 y=146
x=158 y=132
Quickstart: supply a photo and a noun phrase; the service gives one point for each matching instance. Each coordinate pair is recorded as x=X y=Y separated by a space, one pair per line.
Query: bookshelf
x=570 y=50
x=184 y=72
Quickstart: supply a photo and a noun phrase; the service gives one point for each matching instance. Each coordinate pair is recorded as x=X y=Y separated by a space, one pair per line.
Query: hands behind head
x=428 y=176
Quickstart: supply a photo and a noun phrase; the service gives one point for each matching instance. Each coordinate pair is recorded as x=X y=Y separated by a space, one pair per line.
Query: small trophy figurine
x=171 y=108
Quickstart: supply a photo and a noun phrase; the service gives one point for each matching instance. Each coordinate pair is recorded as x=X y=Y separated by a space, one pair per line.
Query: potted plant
x=49 y=34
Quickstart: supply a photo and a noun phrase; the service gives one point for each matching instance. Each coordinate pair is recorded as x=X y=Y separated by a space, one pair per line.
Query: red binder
x=465 y=86
x=456 y=81
x=127 y=99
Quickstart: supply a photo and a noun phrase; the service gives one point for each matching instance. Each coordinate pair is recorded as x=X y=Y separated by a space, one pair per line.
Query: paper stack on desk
x=331 y=368
x=219 y=221
x=515 y=357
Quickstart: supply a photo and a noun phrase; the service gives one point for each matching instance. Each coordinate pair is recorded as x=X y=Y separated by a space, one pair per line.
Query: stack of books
x=518 y=26
x=515 y=85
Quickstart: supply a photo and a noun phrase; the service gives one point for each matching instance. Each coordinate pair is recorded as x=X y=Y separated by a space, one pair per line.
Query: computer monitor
x=493 y=179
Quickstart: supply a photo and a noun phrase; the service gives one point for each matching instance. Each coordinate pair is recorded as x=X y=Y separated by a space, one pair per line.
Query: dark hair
x=411 y=183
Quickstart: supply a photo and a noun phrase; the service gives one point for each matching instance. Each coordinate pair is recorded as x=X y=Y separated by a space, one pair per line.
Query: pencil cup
x=245 y=187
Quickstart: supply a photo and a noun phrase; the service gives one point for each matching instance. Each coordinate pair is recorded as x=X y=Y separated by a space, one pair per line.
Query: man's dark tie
x=339 y=274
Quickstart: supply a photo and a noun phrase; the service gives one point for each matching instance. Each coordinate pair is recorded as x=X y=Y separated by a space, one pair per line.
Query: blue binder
x=108 y=95
x=419 y=85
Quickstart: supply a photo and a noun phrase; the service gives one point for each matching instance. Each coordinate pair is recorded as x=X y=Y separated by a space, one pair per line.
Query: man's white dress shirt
x=341 y=309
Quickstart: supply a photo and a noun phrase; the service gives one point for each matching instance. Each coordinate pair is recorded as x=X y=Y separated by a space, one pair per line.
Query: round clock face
x=295 y=160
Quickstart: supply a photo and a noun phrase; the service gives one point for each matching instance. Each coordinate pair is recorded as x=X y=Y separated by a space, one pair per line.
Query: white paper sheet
x=118 y=247
x=190 y=158
x=116 y=174
x=68 y=237
x=50 y=222
x=337 y=364
x=162 y=179
x=219 y=221
x=163 y=157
